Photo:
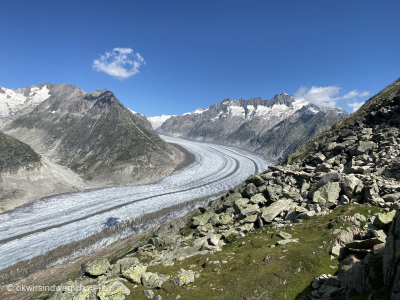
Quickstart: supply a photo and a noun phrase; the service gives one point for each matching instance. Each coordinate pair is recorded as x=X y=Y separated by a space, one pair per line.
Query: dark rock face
x=272 y=127
x=14 y=154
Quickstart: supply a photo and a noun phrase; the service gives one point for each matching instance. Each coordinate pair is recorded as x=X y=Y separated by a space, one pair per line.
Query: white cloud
x=319 y=95
x=120 y=63
x=355 y=105
x=327 y=95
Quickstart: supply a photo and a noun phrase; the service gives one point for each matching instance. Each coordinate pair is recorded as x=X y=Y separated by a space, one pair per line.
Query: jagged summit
x=250 y=123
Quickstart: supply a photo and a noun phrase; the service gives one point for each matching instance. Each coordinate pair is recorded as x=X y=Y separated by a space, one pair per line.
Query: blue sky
x=197 y=53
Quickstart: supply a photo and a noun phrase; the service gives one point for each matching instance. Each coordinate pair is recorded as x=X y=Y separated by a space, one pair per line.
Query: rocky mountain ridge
x=93 y=135
x=272 y=127
x=331 y=205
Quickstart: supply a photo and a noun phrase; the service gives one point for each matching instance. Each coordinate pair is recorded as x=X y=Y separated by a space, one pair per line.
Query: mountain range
x=94 y=139
x=272 y=127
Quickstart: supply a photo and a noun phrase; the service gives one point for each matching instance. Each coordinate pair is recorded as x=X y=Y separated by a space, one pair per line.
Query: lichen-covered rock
x=87 y=293
x=224 y=219
x=258 y=199
x=383 y=220
x=134 y=273
x=153 y=280
x=113 y=290
x=125 y=263
x=184 y=277
x=202 y=219
x=96 y=266
x=327 y=195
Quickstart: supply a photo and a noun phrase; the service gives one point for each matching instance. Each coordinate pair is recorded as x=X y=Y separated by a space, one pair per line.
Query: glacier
x=34 y=229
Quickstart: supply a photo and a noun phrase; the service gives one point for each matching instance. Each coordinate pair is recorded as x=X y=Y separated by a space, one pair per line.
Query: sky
x=171 y=57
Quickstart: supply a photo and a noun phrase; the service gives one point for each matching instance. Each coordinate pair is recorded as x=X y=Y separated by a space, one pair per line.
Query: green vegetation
x=253 y=269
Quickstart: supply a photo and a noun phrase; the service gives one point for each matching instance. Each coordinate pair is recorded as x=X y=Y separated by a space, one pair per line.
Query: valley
x=39 y=227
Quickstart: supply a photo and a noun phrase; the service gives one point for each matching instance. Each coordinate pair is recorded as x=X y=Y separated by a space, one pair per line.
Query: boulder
x=134 y=273
x=352 y=186
x=113 y=290
x=287 y=241
x=250 y=219
x=258 y=199
x=214 y=239
x=250 y=190
x=127 y=262
x=96 y=266
x=364 y=244
x=383 y=220
x=391 y=197
x=202 y=219
x=327 y=195
x=231 y=199
x=149 y=294
x=364 y=147
x=184 y=277
x=274 y=191
x=224 y=219
x=153 y=280
x=256 y=180
x=272 y=211
x=284 y=235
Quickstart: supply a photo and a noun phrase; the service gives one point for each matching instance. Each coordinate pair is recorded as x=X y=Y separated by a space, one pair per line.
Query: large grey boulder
x=352 y=186
x=184 y=277
x=153 y=280
x=134 y=273
x=96 y=266
x=327 y=195
x=272 y=211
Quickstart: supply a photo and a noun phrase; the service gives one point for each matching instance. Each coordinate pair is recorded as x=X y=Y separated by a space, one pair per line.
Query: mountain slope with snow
x=247 y=123
x=157 y=121
x=93 y=135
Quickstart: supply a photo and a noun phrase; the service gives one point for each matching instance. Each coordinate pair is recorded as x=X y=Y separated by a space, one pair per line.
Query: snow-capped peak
x=12 y=100
x=197 y=111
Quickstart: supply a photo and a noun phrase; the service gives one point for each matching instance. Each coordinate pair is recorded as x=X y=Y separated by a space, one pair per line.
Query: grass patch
x=287 y=273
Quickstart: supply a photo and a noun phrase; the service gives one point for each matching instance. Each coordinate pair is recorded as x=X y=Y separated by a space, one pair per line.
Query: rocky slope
x=330 y=207
x=92 y=134
x=25 y=175
x=272 y=127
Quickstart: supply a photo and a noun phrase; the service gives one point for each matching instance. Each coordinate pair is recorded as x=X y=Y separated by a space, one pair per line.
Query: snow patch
x=13 y=100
